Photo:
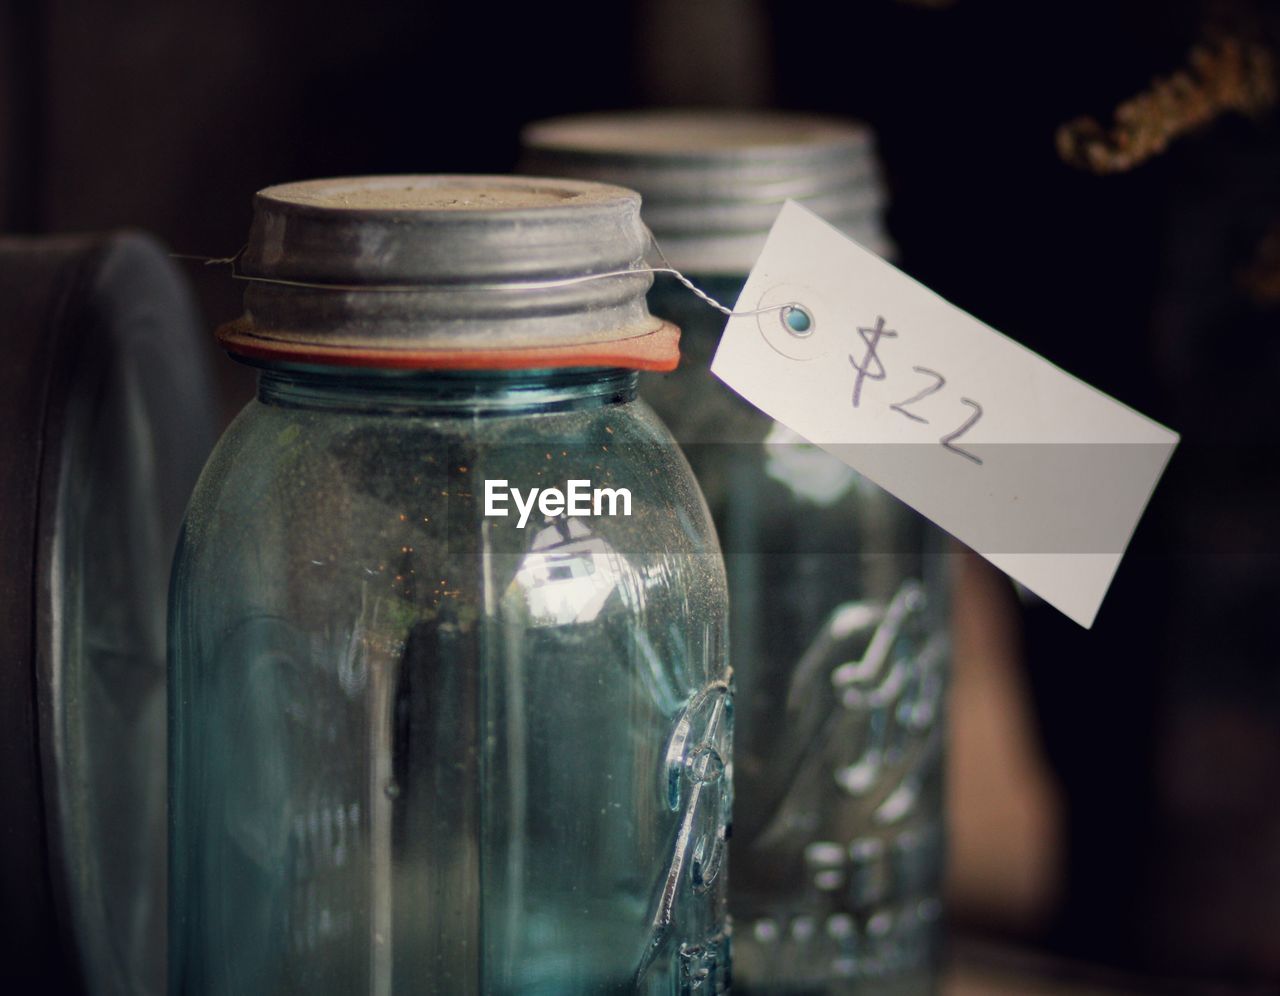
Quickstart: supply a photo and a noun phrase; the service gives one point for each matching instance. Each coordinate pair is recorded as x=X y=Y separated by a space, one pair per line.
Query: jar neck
x=444 y=392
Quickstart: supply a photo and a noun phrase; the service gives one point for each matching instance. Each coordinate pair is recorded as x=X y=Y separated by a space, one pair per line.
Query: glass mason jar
x=422 y=742
x=839 y=621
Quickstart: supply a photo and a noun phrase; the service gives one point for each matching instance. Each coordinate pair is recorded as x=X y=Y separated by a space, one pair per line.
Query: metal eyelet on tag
x=791 y=321
x=796 y=320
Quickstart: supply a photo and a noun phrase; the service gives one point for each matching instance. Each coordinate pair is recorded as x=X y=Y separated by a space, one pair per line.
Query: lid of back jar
x=106 y=416
x=448 y=272
x=714 y=181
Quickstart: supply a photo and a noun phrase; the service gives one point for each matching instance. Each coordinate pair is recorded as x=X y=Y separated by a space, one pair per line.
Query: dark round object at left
x=106 y=416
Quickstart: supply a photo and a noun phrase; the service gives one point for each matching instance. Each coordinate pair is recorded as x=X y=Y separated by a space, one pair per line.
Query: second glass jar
x=838 y=592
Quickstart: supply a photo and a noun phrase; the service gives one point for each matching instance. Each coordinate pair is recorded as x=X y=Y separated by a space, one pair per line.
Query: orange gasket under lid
x=658 y=350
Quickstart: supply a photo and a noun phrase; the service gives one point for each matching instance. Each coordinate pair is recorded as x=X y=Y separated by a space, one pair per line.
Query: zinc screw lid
x=405 y=267
x=712 y=182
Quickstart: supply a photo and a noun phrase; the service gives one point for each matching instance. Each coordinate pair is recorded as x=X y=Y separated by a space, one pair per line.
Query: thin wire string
x=667 y=268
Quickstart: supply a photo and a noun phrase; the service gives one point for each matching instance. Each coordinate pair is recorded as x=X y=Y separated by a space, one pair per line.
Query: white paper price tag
x=1040 y=473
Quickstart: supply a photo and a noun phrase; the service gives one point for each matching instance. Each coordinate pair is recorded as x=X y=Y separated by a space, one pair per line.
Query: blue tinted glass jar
x=838 y=592
x=424 y=738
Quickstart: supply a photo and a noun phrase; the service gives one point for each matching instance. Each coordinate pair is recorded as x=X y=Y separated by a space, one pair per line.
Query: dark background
x=1161 y=726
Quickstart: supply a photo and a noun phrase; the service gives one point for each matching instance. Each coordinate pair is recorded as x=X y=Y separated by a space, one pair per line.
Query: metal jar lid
x=714 y=181
x=428 y=271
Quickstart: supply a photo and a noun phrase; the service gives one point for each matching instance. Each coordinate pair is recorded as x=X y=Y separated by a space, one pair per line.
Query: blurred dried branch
x=1230 y=74
x=1262 y=276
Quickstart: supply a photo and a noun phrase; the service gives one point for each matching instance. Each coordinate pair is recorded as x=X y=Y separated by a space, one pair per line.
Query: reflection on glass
x=568 y=574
